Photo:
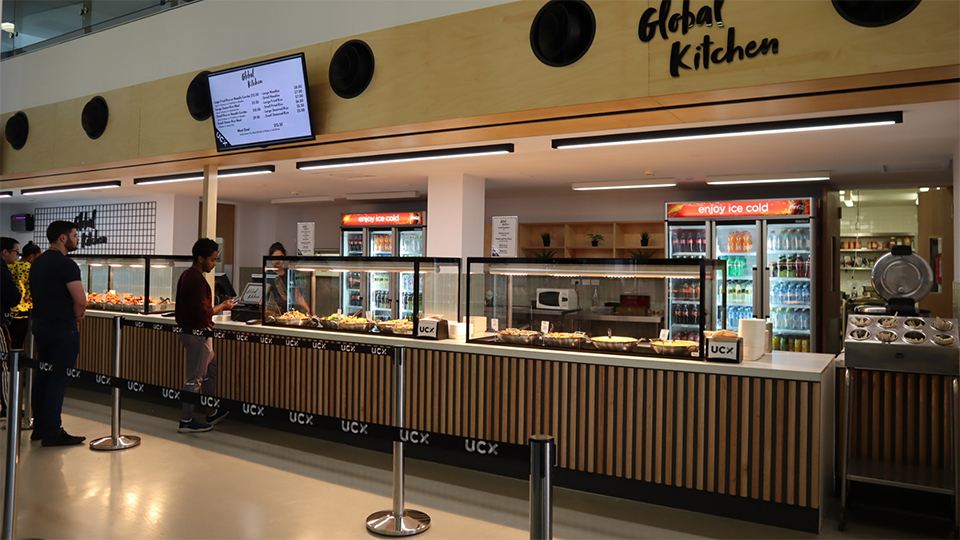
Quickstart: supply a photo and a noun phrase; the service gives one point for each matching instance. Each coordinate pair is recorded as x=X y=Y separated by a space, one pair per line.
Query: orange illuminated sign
x=706 y=210
x=379 y=220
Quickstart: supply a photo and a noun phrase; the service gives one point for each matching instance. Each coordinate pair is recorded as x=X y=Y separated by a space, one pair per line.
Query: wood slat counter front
x=751 y=441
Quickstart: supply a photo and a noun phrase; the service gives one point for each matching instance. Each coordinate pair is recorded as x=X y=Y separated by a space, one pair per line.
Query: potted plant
x=594 y=238
x=644 y=238
x=641 y=255
x=546 y=239
x=544 y=255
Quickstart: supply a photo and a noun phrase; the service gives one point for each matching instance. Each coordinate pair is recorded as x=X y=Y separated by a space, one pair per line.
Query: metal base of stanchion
x=387 y=523
x=122 y=443
x=26 y=424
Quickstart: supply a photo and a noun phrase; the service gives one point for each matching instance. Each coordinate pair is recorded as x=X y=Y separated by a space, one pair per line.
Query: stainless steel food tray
x=901 y=354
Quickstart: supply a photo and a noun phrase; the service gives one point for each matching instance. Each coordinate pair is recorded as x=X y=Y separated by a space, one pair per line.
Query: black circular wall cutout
x=94 y=117
x=198 y=97
x=18 y=127
x=351 y=69
x=562 y=32
x=874 y=13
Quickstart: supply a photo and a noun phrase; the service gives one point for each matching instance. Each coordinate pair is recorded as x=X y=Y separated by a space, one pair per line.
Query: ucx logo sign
x=354 y=427
x=480 y=447
x=301 y=418
x=252 y=410
x=415 y=437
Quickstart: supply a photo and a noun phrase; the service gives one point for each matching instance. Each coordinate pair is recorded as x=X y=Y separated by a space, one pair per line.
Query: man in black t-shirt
x=59 y=303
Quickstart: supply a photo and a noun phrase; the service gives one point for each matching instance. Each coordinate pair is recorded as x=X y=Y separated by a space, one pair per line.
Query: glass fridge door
x=411 y=243
x=791 y=285
x=738 y=243
x=351 y=243
x=410 y=297
x=351 y=299
x=381 y=300
x=381 y=243
x=686 y=241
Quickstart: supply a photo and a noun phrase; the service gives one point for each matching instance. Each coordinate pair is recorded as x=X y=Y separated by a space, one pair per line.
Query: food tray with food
x=518 y=337
x=674 y=347
x=614 y=343
x=911 y=330
x=564 y=339
x=356 y=324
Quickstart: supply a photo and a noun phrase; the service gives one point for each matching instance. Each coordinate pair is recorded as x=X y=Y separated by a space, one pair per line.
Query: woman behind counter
x=277 y=300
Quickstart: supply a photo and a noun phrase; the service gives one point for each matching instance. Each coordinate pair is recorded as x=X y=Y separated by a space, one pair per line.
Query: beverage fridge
x=399 y=234
x=771 y=254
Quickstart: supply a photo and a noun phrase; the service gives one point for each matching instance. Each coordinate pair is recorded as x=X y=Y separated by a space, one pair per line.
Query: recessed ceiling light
x=625 y=184
x=768 y=178
x=924 y=189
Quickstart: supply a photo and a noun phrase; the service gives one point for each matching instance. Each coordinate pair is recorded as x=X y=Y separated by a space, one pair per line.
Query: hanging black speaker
x=562 y=32
x=874 y=13
x=198 y=97
x=17 y=129
x=94 y=117
x=351 y=69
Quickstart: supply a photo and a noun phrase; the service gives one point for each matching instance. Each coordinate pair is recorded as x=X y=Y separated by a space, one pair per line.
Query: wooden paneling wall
x=742 y=436
x=96 y=345
x=897 y=418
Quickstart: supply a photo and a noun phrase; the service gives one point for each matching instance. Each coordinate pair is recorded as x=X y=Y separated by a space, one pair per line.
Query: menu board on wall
x=261 y=104
x=305 y=238
x=104 y=229
x=504 y=242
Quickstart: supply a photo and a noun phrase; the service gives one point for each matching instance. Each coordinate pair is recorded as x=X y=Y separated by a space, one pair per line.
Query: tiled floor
x=229 y=484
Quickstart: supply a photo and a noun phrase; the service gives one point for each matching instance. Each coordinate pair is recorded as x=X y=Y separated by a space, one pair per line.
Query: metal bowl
x=914 y=337
x=308 y=323
x=674 y=347
x=330 y=324
x=914 y=323
x=570 y=342
x=403 y=330
x=943 y=325
x=357 y=327
x=943 y=339
x=888 y=322
x=385 y=328
x=887 y=336
x=604 y=343
x=859 y=320
x=860 y=334
x=526 y=338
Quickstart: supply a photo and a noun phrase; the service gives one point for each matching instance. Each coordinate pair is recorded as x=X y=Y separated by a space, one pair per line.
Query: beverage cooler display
x=398 y=234
x=770 y=249
x=687 y=241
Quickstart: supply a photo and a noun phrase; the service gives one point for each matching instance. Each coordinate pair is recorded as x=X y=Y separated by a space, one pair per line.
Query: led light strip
x=74 y=187
x=407 y=156
x=229 y=173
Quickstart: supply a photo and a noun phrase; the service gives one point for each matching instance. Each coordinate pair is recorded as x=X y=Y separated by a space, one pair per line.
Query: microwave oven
x=557 y=299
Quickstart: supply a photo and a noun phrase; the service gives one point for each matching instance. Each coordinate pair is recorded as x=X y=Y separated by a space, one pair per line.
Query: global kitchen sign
x=690 y=56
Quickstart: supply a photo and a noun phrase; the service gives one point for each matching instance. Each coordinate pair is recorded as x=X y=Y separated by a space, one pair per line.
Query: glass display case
x=132 y=283
x=387 y=295
x=598 y=305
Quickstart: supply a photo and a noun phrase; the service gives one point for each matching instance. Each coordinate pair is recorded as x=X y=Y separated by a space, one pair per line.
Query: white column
x=455 y=210
x=208 y=224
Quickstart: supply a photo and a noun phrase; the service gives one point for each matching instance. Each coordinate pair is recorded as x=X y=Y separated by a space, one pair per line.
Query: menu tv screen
x=261 y=104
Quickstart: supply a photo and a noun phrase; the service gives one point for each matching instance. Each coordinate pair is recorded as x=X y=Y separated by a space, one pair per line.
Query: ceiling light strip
x=760 y=128
x=5 y=194
x=407 y=156
x=73 y=187
x=768 y=178
x=228 y=173
x=624 y=184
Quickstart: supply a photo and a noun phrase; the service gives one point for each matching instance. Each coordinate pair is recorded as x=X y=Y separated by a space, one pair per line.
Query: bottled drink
x=805 y=345
x=689 y=247
x=677 y=314
x=675 y=241
x=685 y=317
x=776 y=342
x=748 y=241
x=773 y=241
x=806 y=268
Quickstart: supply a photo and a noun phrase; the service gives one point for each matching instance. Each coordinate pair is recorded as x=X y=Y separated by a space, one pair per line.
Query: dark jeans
x=60 y=349
x=18 y=332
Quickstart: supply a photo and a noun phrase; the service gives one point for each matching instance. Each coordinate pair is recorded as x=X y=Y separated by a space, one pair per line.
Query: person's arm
x=9 y=290
x=79 y=299
x=225 y=305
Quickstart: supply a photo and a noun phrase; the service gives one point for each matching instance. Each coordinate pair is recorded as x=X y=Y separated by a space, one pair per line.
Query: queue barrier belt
x=308 y=421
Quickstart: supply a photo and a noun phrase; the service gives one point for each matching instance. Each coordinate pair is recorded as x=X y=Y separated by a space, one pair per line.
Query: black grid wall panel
x=105 y=229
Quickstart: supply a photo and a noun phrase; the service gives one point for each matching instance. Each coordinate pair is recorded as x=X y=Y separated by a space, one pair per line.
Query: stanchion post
x=541 y=487
x=27 y=421
x=13 y=450
x=115 y=441
x=397 y=521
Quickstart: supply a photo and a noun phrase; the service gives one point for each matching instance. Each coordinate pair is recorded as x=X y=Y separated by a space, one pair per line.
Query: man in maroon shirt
x=195 y=311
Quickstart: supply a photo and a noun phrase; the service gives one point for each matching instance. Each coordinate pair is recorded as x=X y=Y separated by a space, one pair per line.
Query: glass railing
x=29 y=25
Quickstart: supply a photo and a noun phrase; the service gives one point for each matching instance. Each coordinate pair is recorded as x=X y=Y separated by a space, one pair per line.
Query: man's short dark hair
x=58 y=228
x=7 y=243
x=204 y=247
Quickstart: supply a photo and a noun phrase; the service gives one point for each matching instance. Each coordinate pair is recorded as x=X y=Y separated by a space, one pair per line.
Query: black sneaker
x=193 y=426
x=62 y=439
x=36 y=435
x=215 y=418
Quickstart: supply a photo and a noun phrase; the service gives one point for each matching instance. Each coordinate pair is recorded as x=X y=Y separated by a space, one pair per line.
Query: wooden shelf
x=570 y=239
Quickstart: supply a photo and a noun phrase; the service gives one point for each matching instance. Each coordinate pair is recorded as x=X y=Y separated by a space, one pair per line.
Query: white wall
x=199 y=36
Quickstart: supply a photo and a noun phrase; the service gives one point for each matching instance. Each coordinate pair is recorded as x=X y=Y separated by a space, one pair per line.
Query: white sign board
x=504 y=242
x=305 y=239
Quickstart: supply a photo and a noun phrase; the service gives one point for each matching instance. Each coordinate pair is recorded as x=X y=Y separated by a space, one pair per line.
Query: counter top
x=777 y=365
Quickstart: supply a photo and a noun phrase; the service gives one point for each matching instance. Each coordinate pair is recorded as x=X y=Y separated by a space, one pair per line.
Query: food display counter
x=750 y=441
x=307 y=292
x=592 y=305
x=132 y=283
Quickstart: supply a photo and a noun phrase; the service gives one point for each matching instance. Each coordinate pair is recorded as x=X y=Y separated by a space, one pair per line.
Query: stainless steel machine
x=898 y=337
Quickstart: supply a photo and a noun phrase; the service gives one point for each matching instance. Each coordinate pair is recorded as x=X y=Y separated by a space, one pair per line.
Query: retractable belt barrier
x=474 y=446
